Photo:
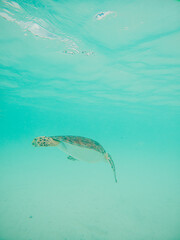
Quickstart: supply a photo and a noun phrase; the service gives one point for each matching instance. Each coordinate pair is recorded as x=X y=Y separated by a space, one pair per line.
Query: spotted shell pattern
x=80 y=141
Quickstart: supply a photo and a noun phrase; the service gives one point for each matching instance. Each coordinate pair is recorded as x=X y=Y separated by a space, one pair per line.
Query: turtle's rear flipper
x=108 y=157
x=71 y=158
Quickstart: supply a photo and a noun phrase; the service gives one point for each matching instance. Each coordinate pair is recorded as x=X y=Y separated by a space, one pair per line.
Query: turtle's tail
x=109 y=158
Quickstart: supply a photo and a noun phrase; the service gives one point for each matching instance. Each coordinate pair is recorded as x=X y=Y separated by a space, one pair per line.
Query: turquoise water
x=106 y=70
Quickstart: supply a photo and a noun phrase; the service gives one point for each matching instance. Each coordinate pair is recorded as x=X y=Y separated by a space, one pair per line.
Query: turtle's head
x=44 y=142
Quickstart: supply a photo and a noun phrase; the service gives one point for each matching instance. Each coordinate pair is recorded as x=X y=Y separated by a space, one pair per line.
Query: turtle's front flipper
x=108 y=157
x=71 y=158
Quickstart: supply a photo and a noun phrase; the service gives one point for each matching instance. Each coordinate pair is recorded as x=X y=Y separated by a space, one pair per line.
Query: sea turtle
x=77 y=148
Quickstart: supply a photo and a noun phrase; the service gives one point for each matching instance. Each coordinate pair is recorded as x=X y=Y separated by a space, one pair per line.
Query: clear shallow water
x=107 y=71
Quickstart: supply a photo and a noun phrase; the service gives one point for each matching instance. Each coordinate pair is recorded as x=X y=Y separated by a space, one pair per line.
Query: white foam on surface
x=13 y=4
x=101 y=15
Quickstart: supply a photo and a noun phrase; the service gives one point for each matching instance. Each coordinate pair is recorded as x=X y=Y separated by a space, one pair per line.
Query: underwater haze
x=105 y=70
